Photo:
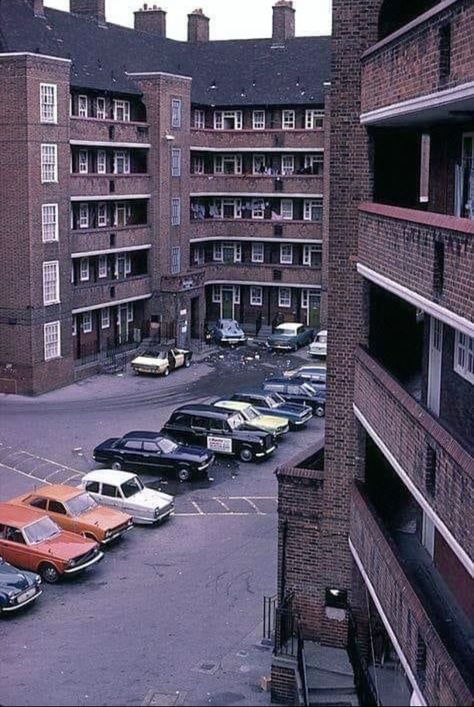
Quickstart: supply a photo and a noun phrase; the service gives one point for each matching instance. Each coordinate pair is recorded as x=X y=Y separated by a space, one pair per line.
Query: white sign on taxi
x=221 y=445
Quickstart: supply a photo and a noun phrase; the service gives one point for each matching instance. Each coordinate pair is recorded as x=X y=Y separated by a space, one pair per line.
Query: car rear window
x=92 y=486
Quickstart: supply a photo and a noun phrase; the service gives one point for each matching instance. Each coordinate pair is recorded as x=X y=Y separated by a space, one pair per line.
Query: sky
x=230 y=19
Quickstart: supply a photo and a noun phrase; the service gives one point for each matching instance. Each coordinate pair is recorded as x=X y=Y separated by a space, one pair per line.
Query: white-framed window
x=199 y=165
x=128 y=264
x=258 y=120
x=101 y=162
x=122 y=111
x=312 y=255
x=103 y=269
x=259 y=164
x=231 y=208
x=464 y=356
x=288 y=120
x=84 y=270
x=49 y=222
x=286 y=254
x=313 y=210
x=199 y=119
x=287 y=209
x=217 y=294
x=228 y=120
x=217 y=255
x=83 y=107
x=87 y=322
x=284 y=297
x=228 y=164
x=100 y=108
x=52 y=341
x=102 y=215
x=74 y=325
x=48 y=103
x=236 y=294
x=315 y=163
x=175 y=211
x=51 y=282
x=130 y=312
x=49 y=163
x=122 y=162
x=287 y=164
x=176 y=162
x=175 y=260
x=256 y=296
x=122 y=214
x=199 y=255
x=83 y=215
x=83 y=162
x=258 y=252
x=258 y=208
x=304 y=299
x=105 y=318
x=227 y=252
x=314 y=119
x=176 y=108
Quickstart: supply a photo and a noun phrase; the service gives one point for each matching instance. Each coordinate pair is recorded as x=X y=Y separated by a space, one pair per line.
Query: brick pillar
x=198 y=27
x=151 y=20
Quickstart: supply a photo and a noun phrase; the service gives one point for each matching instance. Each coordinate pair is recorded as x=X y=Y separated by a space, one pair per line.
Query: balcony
x=257 y=139
x=93 y=295
x=414 y=600
x=89 y=241
x=228 y=229
x=279 y=275
x=256 y=184
x=430 y=254
x=116 y=185
x=407 y=430
x=108 y=131
x=434 y=67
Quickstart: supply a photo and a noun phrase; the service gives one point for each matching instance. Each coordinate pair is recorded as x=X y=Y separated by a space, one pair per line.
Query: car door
x=153 y=457
x=199 y=430
x=178 y=358
x=133 y=455
x=14 y=550
x=294 y=394
x=93 y=488
x=110 y=495
x=57 y=511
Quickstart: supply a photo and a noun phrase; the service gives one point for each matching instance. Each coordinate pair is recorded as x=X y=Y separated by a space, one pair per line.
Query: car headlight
x=157 y=512
x=108 y=533
x=71 y=563
x=261 y=443
x=37 y=580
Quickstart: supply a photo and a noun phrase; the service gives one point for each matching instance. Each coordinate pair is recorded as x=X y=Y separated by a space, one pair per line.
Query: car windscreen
x=250 y=413
x=41 y=530
x=132 y=487
x=81 y=504
x=235 y=421
x=309 y=389
x=167 y=446
x=285 y=332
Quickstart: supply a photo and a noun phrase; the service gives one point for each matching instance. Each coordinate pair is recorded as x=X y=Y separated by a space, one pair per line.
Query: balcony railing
x=253 y=228
x=265 y=274
x=385 y=80
x=90 y=240
x=412 y=606
x=257 y=139
x=251 y=183
x=94 y=130
x=110 y=184
x=111 y=292
x=428 y=253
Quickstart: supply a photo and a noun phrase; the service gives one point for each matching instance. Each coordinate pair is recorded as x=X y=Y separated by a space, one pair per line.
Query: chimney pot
x=283 y=21
x=37 y=6
x=94 y=9
x=198 y=26
x=151 y=20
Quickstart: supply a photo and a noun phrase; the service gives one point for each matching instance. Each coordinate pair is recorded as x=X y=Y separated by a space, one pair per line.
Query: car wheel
x=49 y=573
x=187 y=363
x=246 y=455
x=319 y=411
x=117 y=465
x=166 y=373
x=184 y=474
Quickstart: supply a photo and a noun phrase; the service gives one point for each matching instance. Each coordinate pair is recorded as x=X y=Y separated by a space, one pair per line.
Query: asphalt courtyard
x=172 y=615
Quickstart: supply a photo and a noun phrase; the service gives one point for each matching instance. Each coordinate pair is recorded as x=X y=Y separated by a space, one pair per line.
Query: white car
x=127 y=492
x=319 y=347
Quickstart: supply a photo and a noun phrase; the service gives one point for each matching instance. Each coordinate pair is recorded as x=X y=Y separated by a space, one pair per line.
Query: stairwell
x=329 y=676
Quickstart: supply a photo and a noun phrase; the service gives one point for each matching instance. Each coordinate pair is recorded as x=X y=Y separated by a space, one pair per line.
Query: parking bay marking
x=252 y=501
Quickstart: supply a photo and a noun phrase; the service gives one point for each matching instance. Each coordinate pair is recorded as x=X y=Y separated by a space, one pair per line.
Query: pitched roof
x=225 y=73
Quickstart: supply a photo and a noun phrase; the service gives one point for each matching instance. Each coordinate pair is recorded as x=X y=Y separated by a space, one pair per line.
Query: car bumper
x=165 y=515
x=231 y=340
x=116 y=536
x=265 y=453
x=81 y=568
x=149 y=371
x=281 y=347
x=303 y=421
x=282 y=432
x=18 y=607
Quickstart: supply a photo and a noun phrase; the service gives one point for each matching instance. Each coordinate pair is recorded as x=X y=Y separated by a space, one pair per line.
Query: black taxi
x=221 y=431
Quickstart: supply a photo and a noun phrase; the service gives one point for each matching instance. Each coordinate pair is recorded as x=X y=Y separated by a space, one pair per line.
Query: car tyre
x=187 y=363
x=117 y=465
x=184 y=474
x=319 y=411
x=49 y=573
x=246 y=455
x=166 y=373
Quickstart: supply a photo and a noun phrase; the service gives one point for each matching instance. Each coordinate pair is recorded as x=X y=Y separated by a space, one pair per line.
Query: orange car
x=75 y=510
x=29 y=539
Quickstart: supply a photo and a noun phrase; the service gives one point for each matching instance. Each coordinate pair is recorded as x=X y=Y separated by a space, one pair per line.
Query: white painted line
x=199 y=510
x=224 y=505
x=256 y=508
x=210 y=515
x=23 y=473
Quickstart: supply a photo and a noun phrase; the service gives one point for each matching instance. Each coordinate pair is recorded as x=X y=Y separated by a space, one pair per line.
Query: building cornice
x=111 y=251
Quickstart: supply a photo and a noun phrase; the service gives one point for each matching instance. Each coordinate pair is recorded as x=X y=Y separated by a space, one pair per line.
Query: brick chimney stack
x=283 y=21
x=198 y=26
x=151 y=20
x=37 y=6
x=94 y=9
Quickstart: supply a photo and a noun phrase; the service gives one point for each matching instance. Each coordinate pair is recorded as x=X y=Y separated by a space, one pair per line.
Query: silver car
x=228 y=331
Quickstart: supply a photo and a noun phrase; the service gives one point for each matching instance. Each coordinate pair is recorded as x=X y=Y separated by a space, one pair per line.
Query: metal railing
x=269 y=618
x=364 y=684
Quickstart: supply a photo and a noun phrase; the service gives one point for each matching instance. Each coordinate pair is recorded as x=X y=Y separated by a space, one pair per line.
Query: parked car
x=74 y=510
x=290 y=337
x=222 y=431
x=254 y=419
x=298 y=390
x=17 y=589
x=314 y=374
x=162 y=362
x=153 y=452
x=228 y=331
x=273 y=404
x=319 y=347
x=31 y=540
x=127 y=492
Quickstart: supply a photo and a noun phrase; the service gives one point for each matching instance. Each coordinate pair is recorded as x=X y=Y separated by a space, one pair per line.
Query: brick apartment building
x=376 y=544
x=149 y=185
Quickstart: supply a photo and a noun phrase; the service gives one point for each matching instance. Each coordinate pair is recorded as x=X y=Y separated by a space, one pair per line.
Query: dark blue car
x=17 y=588
x=298 y=390
x=269 y=403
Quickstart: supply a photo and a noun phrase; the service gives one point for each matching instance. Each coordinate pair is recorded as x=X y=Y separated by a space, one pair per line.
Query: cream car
x=162 y=362
x=319 y=347
x=277 y=426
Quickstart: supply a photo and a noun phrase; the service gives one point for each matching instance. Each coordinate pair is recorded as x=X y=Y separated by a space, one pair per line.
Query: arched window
x=395 y=14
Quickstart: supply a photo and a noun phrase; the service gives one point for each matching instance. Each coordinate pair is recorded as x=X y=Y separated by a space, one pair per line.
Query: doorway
x=435 y=361
x=195 y=319
x=227 y=303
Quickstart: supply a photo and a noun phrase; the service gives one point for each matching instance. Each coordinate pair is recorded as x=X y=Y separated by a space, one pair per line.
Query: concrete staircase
x=330 y=677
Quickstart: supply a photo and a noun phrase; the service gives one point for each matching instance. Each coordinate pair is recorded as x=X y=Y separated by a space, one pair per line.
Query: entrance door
x=435 y=360
x=123 y=324
x=227 y=303
x=314 y=310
